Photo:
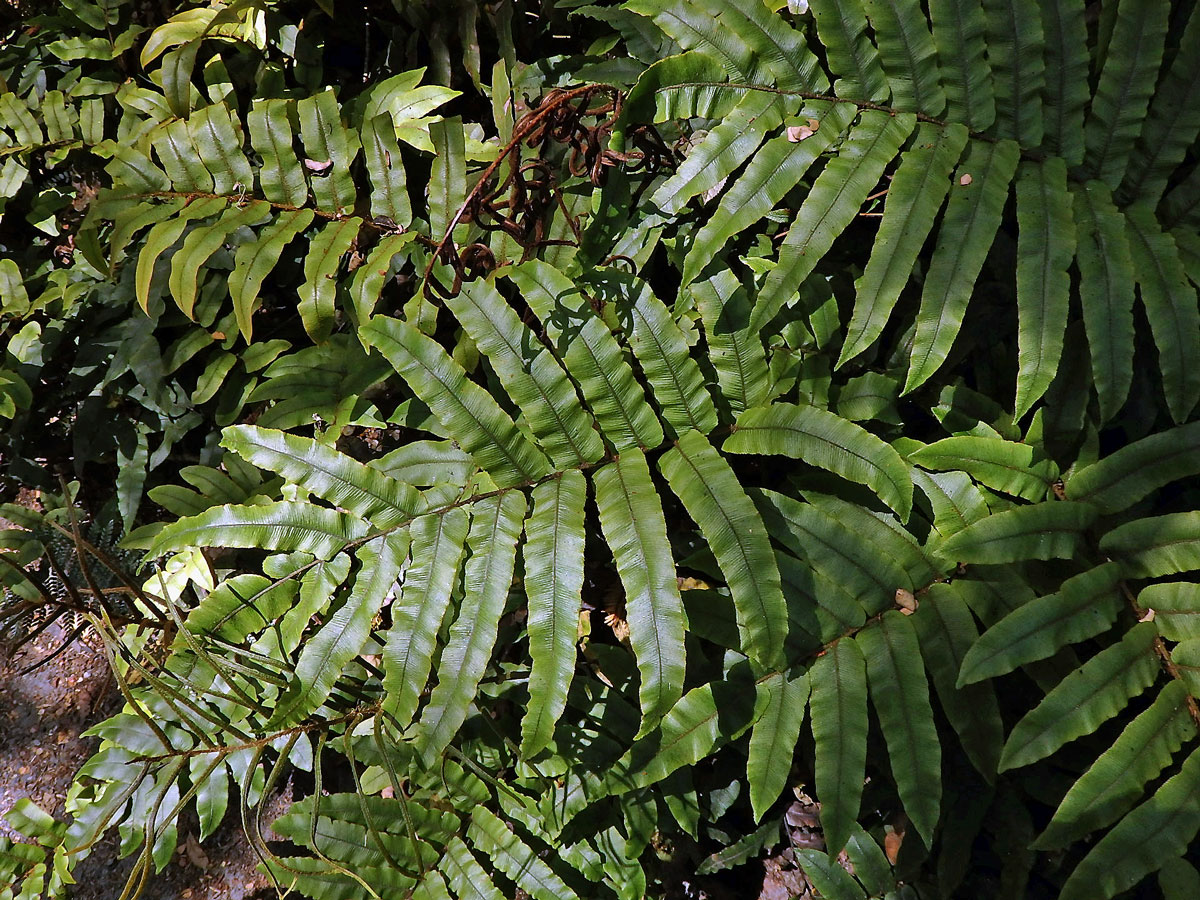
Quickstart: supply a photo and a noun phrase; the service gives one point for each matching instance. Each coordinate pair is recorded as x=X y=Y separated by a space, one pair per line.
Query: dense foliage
x=577 y=430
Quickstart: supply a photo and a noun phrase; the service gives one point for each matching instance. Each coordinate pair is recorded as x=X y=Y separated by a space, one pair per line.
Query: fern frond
x=1114 y=782
x=1045 y=249
x=842 y=27
x=908 y=55
x=417 y=613
x=1159 y=830
x=1085 y=699
x=831 y=205
x=1084 y=606
x=838 y=707
x=826 y=440
x=900 y=696
x=1124 y=89
x=487 y=577
x=632 y=520
x=964 y=238
x=553 y=557
x=1015 y=41
x=773 y=738
x=914 y=198
x=703 y=480
x=1171 y=307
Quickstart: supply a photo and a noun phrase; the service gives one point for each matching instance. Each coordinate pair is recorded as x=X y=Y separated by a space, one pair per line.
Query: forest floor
x=43 y=714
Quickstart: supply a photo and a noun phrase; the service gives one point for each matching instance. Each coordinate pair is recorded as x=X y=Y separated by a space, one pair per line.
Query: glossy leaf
x=711 y=494
x=632 y=520
x=823 y=439
x=1085 y=699
x=553 y=558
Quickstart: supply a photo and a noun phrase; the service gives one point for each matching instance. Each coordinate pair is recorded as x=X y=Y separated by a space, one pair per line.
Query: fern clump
x=595 y=456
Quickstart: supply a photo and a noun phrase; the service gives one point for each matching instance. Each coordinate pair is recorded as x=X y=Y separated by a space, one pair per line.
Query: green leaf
x=182 y=160
x=370 y=277
x=900 y=696
x=1051 y=530
x=1160 y=829
x=343 y=634
x=870 y=865
x=1085 y=699
x=633 y=523
x=425 y=463
x=1176 y=606
x=199 y=246
x=385 y=166
x=749 y=40
x=1172 y=125
x=845 y=557
x=1115 y=781
x=775 y=169
x=164 y=235
x=448 y=180
x=838 y=707
x=592 y=357
x=711 y=494
x=514 y=858
x=1045 y=250
x=823 y=439
x=828 y=877
x=913 y=200
x=281 y=175
x=735 y=351
x=1155 y=546
x=286 y=526
x=909 y=57
x=1106 y=292
x=330 y=146
x=553 y=557
x=530 y=374
x=1171 y=308
x=1121 y=479
x=327 y=473
x=1178 y=879
x=704 y=718
x=719 y=153
x=1084 y=605
x=773 y=739
x=254 y=261
x=946 y=631
x=220 y=147
x=492 y=550
x=831 y=205
x=465 y=409
x=1124 y=88
x=1016 y=42
x=467 y=878
x=958 y=32
x=1001 y=465
x=676 y=382
x=417 y=613
x=885 y=536
x=325 y=251
x=1066 y=93
x=842 y=27
x=965 y=236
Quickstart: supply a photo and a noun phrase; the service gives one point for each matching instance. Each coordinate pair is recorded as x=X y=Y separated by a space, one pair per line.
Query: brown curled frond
x=519 y=204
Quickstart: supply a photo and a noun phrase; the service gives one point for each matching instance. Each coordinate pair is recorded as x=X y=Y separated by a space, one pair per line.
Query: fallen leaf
x=798 y=133
x=317 y=167
x=196 y=854
x=891 y=845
